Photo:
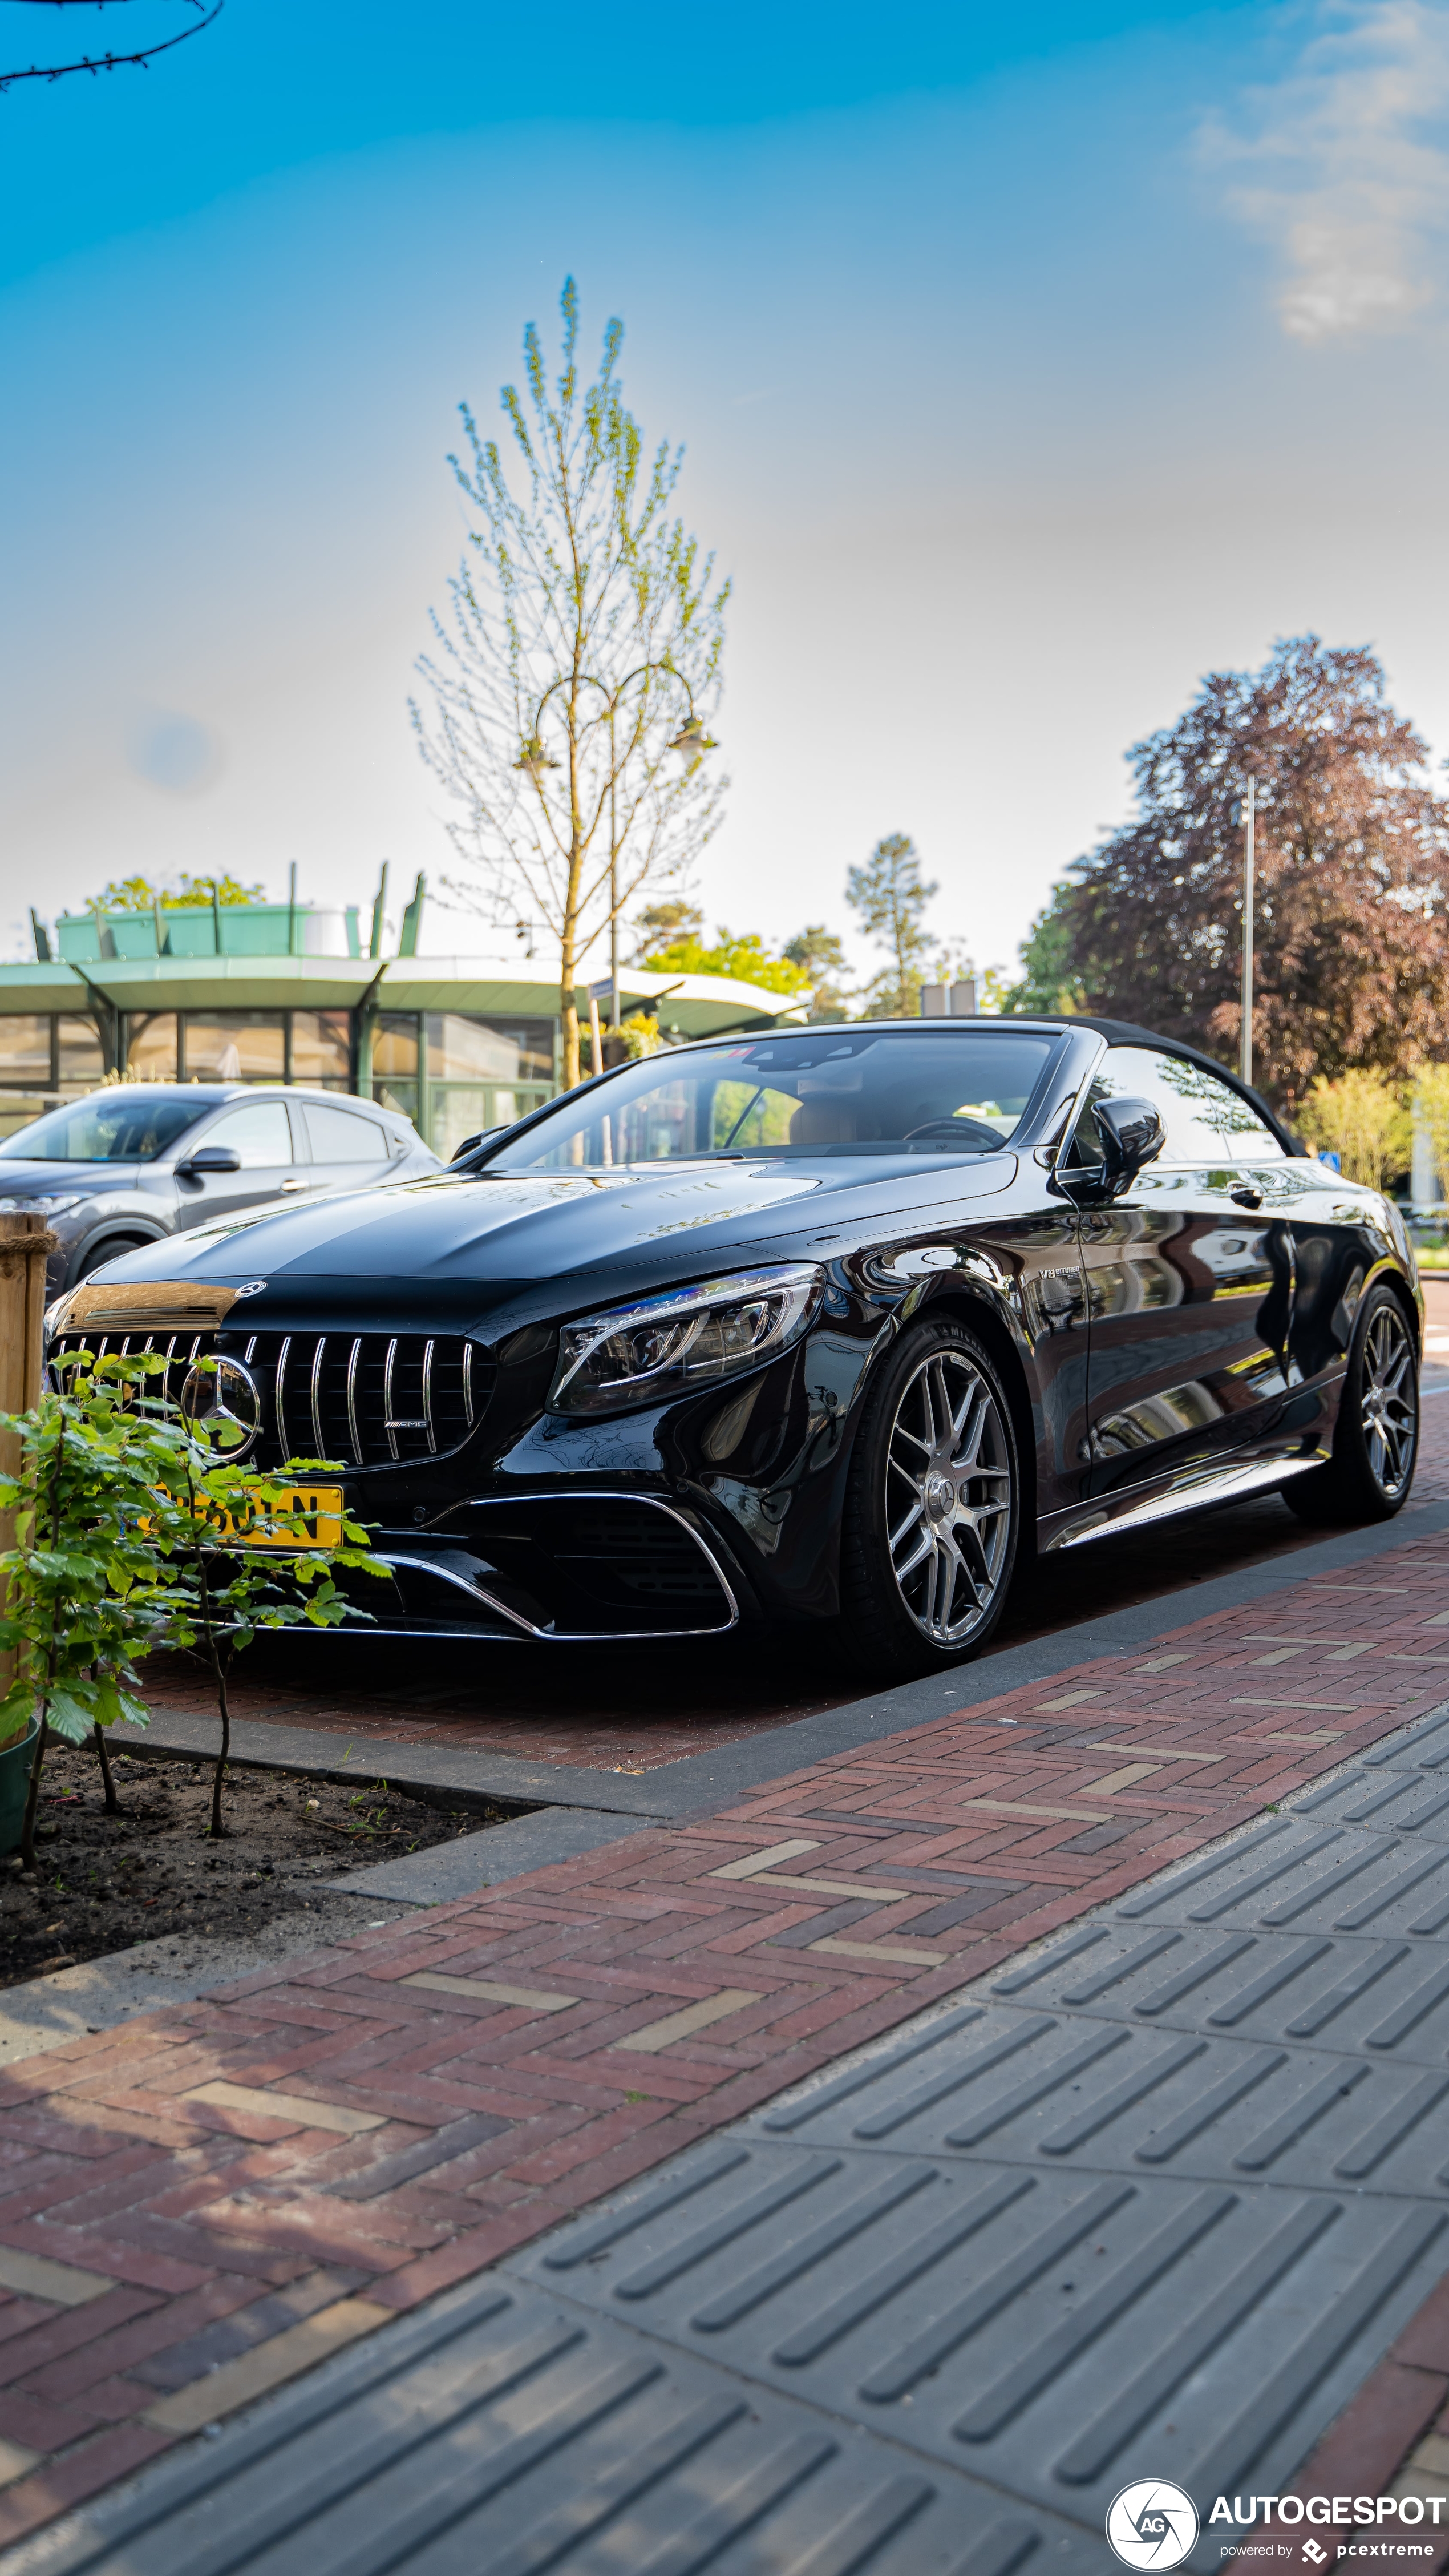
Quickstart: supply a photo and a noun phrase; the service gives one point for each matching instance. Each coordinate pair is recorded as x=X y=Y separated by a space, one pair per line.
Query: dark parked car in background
x=840 y=1325
x=138 y=1161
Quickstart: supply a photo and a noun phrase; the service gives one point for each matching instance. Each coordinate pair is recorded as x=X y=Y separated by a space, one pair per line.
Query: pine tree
x=890 y=897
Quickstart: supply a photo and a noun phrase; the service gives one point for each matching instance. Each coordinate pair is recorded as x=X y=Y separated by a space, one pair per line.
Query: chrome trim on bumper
x=401 y=1561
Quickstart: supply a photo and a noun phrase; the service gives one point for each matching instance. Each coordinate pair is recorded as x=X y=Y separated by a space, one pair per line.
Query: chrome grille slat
x=428 y=1398
x=354 y=1362
x=319 y=1435
x=283 y=1443
x=388 y=1407
x=468 y=1406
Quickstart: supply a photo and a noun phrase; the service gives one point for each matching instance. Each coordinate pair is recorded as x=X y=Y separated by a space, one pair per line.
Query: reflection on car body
x=838 y=1325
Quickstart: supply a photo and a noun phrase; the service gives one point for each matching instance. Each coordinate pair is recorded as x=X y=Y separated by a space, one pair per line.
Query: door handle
x=294 y=1185
x=1245 y=1196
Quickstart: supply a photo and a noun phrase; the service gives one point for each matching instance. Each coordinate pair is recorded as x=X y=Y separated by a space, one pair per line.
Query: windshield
x=112 y=1127
x=828 y=1092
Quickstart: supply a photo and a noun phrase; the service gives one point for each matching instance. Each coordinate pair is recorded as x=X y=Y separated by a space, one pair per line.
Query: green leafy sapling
x=134 y=1531
x=246 y=1553
x=86 y=1590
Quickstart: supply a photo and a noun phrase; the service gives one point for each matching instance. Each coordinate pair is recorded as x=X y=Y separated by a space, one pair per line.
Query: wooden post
x=24 y=1243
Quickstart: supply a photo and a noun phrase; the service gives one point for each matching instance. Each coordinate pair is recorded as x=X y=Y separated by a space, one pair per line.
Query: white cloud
x=1343 y=166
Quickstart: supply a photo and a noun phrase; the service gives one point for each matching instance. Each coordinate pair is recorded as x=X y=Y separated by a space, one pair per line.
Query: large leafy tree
x=1352 y=907
x=741 y=953
x=572 y=686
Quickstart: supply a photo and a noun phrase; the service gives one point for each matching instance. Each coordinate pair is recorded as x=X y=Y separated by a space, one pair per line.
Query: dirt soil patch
x=104 y=1882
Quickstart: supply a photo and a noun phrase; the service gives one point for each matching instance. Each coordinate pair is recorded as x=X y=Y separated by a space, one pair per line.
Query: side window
x=1245 y=1137
x=340 y=1136
x=1206 y=1122
x=259 y=1133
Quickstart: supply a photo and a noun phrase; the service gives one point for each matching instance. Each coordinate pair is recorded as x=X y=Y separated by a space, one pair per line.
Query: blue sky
x=1029 y=364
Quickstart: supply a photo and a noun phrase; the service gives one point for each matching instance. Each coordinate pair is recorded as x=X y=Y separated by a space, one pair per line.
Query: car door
x=1190 y=1278
x=259 y=1133
x=349 y=1149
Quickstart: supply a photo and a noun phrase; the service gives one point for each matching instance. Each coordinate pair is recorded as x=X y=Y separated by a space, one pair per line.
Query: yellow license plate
x=317 y=1507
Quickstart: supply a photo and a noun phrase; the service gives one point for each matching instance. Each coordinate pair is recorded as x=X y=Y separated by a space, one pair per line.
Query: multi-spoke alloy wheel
x=932 y=1504
x=1389 y=1401
x=1376 y=1440
x=948 y=1497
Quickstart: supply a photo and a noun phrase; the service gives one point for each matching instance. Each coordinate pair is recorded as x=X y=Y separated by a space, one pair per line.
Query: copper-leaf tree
x=1351 y=915
x=574 y=682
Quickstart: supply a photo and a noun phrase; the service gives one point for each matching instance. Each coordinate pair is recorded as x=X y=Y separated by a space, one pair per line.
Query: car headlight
x=40 y=1207
x=665 y=1346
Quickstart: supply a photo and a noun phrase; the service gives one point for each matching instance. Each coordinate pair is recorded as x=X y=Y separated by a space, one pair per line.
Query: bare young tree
x=137 y=57
x=572 y=686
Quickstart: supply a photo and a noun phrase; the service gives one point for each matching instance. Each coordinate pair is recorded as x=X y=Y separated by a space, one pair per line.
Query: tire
x=110 y=1250
x=933 y=1508
x=1376 y=1436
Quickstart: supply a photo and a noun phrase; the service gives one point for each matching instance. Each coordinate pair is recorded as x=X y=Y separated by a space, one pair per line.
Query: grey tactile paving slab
x=1152 y=2201
x=510 y=2430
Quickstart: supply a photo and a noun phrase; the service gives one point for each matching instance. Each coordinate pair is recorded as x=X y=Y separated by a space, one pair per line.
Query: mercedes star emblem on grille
x=223 y=1398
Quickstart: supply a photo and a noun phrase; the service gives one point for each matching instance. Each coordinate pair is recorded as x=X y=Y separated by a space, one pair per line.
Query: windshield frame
x=202 y=1104
x=1057 y=1080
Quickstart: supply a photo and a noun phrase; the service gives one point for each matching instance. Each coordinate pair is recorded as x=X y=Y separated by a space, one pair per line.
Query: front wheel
x=1376 y=1437
x=111 y=1250
x=933 y=1507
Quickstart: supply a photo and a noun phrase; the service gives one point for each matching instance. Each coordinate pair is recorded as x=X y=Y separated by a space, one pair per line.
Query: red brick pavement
x=233 y=2187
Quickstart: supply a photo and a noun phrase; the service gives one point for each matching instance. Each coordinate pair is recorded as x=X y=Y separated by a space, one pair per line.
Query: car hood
x=481 y=1241
x=20 y=1180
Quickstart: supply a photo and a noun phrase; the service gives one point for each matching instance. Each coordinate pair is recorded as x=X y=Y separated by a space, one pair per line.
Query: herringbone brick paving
x=197 y=2205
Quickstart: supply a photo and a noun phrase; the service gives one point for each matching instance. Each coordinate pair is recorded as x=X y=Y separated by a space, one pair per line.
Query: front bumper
x=584 y=1567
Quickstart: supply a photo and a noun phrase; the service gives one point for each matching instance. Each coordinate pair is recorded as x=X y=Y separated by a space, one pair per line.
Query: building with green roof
x=298 y=992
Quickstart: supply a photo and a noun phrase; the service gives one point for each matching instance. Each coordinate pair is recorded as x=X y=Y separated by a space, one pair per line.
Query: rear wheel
x=933 y=1507
x=1376 y=1438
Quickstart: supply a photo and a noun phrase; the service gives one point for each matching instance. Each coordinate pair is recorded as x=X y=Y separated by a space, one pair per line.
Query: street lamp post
x=1245 y=1052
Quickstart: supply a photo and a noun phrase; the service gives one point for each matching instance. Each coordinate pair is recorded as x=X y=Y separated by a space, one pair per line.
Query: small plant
x=245 y=1556
x=85 y=1589
x=134 y=1531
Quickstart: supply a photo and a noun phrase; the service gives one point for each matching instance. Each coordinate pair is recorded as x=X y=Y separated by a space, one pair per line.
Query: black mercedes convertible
x=841 y=1325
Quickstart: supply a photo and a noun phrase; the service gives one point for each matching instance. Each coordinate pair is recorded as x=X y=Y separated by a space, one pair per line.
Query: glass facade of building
x=451 y=1072
x=314 y=1047
x=454 y=1073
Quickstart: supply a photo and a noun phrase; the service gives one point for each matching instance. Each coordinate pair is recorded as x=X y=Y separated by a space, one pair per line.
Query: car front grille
x=366 y=1399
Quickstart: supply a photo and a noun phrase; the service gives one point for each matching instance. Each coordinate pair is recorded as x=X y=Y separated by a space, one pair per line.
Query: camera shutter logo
x=226 y=1393
x=1152 y=2524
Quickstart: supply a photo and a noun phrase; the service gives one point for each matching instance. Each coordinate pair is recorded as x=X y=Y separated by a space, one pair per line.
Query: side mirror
x=1132 y=1132
x=208 y=1158
x=469 y=1142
